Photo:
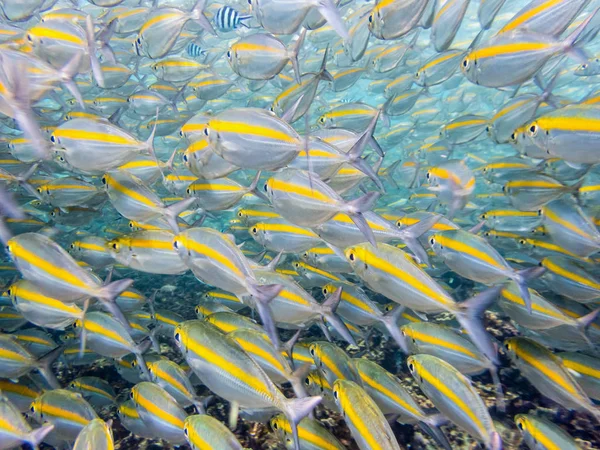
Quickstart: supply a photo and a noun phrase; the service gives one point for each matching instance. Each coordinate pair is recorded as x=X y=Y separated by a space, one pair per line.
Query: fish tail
x=297 y=409
x=356 y=207
x=328 y=309
x=173 y=211
x=411 y=234
x=583 y=324
x=296 y=379
x=390 y=321
x=67 y=73
x=293 y=54
x=469 y=317
x=35 y=437
x=263 y=295
x=576 y=37
x=433 y=429
x=197 y=15
x=91 y=45
x=329 y=11
x=500 y=404
x=44 y=366
x=522 y=277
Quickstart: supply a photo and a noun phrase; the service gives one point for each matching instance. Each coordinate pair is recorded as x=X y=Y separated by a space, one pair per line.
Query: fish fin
x=197 y=15
x=288 y=115
x=572 y=40
x=411 y=234
x=274 y=262
x=234 y=412
x=469 y=316
x=293 y=54
x=173 y=211
x=328 y=309
x=390 y=321
x=363 y=204
x=297 y=409
x=329 y=11
x=296 y=379
x=255 y=190
x=263 y=294
x=522 y=277
x=67 y=73
x=477 y=228
x=44 y=366
x=91 y=49
x=288 y=346
x=35 y=437
x=362 y=224
x=107 y=294
x=375 y=146
x=323 y=74
x=496 y=441
x=436 y=434
x=500 y=404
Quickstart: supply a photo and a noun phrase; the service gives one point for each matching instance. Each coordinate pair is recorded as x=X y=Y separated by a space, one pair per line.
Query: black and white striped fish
x=228 y=19
x=194 y=50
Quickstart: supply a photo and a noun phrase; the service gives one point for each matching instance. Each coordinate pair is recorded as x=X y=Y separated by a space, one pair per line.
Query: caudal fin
x=522 y=277
x=297 y=409
x=328 y=311
x=329 y=11
x=469 y=315
x=390 y=321
x=411 y=234
x=355 y=208
x=44 y=366
x=36 y=437
x=263 y=294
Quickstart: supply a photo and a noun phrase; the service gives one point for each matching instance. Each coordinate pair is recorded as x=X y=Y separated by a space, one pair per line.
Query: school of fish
x=233 y=204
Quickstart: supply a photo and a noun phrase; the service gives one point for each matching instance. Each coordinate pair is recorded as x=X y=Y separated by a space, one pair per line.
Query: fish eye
x=52 y=139
x=131 y=395
x=483 y=216
x=351 y=257
x=297 y=265
x=417 y=74
x=428 y=175
x=520 y=425
x=307 y=381
x=335 y=394
x=139 y=41
x=177 y=337
x=32 y=409
x=254 y=230
x=175 y=244
x=584 y=66
x=206 y=131
x=240 y=214
x=411 y=367
x=325 y=290
x=371 y=18
x=39 y=190
x=266 y=188
x=103 y=180
x=72 y=245
x=432 y=241
x=312 y=352
x=188 y=191
x=465 y=63
x=322 y=119
x=533 y=130
x=9 y=292
x=197 y=309
x=115 y=245
x=185 y=158
x=185 y=431
x=229 y=54
x=522 y=241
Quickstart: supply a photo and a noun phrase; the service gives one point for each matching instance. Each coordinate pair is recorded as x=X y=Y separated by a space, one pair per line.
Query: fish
x=15 y=430
x=236 y=376
x=202 y=430
x=365 y=420
x=452 y=393
x=541 y=433
x=97 y=433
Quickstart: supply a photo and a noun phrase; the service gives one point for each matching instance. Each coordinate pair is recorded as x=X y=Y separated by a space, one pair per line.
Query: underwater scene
x=300 y=224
